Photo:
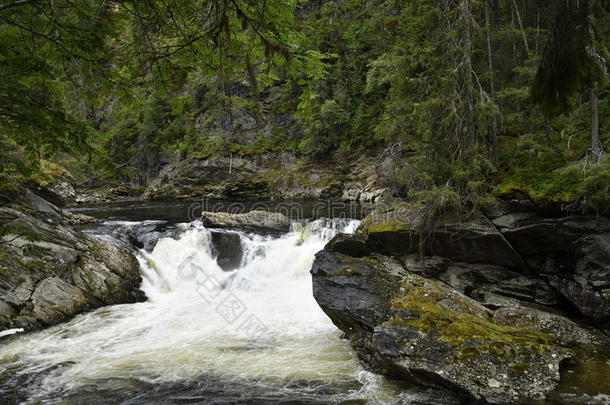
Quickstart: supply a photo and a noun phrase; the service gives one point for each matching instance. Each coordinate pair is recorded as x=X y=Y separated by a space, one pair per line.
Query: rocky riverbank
x=269 y=175
x=497 y=309
x=50 y=272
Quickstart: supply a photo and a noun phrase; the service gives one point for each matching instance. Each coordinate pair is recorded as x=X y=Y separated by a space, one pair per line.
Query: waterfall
x=253 y=332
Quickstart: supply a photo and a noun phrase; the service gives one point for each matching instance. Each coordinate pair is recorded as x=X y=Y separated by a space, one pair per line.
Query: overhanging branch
x=17 y=4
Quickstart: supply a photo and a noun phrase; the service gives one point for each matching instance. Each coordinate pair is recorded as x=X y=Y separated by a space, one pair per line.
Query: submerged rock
x=253 y=220
x=227 y=249
x=50 y=272
x=488 y=313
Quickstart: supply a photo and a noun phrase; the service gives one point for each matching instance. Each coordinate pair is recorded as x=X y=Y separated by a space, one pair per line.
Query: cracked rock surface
x=50 y=272
x=500 y=306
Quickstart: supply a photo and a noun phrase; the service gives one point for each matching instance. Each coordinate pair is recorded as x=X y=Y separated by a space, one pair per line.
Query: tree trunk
x=527 y=48
x=549 y=135
x=492 y=134
x=89 y=170
x=467 y=18
x=596 y=146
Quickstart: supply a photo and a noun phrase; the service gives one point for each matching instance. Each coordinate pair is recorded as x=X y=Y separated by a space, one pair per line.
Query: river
x=204 y=335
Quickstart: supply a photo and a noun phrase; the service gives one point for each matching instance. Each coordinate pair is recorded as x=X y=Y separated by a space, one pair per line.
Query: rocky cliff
x=497 y=310
x=279 y=175
x=50 y=272
x=267 y=175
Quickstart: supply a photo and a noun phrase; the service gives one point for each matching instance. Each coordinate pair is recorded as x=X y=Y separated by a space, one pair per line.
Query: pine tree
x=571 y=65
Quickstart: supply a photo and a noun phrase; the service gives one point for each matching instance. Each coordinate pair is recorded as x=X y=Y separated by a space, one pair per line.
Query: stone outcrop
x=268 y=175
x=257 y=220
x=500 y=306
x=50 y=272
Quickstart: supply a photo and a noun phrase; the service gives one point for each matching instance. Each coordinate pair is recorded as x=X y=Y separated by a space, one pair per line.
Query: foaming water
x=203 y=333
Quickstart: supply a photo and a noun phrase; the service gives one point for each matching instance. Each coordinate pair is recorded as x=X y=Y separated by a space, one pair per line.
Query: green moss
x=6 y=256
x=520 y=368
x=467 y=329
x=8 y=184
x=548 y=186
x=48 y=173
x=374 y=226
x=346 y=270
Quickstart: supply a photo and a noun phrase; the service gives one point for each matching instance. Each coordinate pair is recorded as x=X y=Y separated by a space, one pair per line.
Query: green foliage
x=42 y=50
x=113 y=91
x=570 y=62
x=584 y=186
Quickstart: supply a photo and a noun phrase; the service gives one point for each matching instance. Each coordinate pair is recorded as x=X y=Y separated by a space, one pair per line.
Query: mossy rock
x=422 y=331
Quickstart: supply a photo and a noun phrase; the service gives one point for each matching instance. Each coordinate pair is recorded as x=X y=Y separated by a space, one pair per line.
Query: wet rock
x=253 y=220
x=138 y=235
x=50 y=272
x=54 y=298
x=492 y=310
x=227 y=249
x=72 y=218
x=422 y=331
x=348 y=245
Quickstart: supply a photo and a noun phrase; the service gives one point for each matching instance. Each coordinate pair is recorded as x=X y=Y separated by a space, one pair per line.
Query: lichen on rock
x=484 y=316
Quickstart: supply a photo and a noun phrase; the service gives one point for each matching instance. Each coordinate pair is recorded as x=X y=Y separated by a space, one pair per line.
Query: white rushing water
x=258 y=326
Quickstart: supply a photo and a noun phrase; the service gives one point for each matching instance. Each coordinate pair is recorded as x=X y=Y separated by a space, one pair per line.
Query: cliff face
x=269 y=175
x=278 y=175
x=500 y=307
x=50 y=272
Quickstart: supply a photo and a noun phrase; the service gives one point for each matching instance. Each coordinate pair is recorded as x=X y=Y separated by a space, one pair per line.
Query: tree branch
x=17 y=4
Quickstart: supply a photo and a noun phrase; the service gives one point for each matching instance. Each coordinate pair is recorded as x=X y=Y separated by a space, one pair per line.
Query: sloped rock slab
x=423 y=331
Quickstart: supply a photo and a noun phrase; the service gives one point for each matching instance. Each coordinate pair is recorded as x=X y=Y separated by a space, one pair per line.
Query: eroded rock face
x=50 y=272
x=279 y=175
x=487 y=315
x=560 y=262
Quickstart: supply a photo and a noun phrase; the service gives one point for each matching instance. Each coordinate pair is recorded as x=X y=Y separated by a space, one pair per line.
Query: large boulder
x=497 y=310
x=254 y=220
x=562 y=262
x=571 y=254
x=422 y=331
x=50 y=272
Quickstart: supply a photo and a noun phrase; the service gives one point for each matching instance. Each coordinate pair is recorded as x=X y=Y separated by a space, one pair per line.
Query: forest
x=472 y=99
x=305 y=202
